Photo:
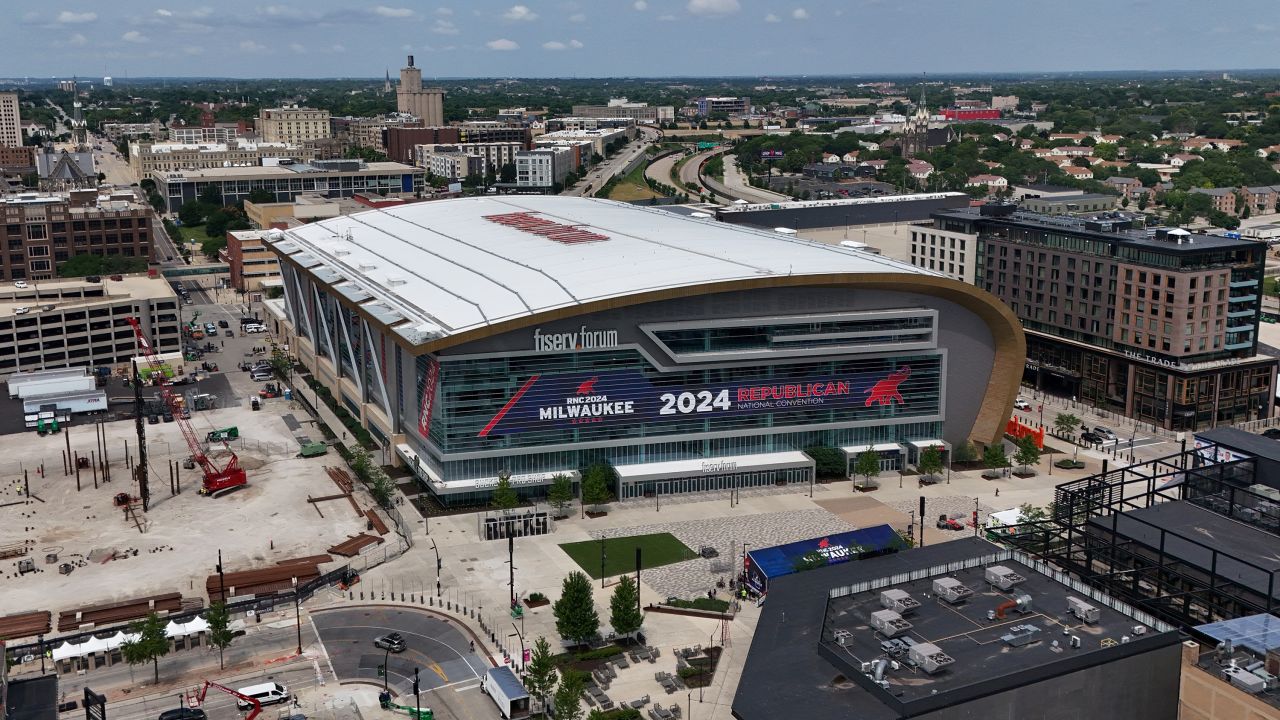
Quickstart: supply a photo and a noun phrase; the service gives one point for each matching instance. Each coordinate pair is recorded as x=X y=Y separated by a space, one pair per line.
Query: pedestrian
x=473 y=646
x=997 y=492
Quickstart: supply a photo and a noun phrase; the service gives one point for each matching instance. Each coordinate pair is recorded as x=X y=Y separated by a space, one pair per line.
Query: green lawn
x=196 y=234
x=632 y=186
x=620 y=553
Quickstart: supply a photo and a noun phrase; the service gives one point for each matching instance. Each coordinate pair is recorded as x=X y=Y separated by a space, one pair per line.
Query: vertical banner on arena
x=429 y=380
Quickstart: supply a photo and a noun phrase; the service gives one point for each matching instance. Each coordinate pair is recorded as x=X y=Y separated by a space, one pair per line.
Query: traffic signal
x=415 y=681
x=439 y=565
x=382 y=671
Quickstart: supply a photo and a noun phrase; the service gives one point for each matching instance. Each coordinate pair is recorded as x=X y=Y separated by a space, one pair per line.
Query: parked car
x=153 y=419
x=1104 y=432
x=21 y=311
x=183 y=713
x=168 y=416
x=1273 y=433
x=1022 y=404
x=390 y=641
x=224 y=324
x=20 y=284
x=229 y=333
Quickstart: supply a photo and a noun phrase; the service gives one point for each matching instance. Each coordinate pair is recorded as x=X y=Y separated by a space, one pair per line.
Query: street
x=599 y=175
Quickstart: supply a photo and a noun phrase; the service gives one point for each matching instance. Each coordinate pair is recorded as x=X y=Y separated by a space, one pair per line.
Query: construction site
x=88 y=539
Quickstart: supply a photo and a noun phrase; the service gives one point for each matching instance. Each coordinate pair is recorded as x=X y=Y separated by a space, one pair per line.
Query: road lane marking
x=465 y=688
x=435 y=668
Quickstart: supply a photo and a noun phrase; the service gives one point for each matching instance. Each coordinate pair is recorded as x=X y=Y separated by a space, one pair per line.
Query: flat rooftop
x=1204 y=539
x=838 y=202
x=815 y=634
x=373 y=168
x=56 y=292
x=450 y=266
x=1197 y=242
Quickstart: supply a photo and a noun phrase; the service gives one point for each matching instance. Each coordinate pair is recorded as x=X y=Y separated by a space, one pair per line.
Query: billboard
x=771 y=154
x=629 y=397
x=761 y=566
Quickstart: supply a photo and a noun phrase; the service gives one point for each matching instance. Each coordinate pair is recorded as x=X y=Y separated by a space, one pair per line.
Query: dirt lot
x=177 y=545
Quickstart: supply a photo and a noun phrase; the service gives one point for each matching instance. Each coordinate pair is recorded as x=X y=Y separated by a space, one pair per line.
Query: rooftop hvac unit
x=1245 y=680
x=1247 y=514
x=951 y=590
x=1266 y=491
x=929 y=657
x=1002 y=577
x=1083 y=610
x=889 y=623
x=1020 y=635
x=842 y=637
x=899 y=601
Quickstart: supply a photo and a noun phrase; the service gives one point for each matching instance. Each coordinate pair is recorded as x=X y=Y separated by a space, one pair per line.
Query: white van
x=266 y=694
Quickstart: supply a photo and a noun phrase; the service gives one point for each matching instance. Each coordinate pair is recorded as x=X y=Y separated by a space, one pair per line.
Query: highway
x=736 y=183
x=689 y=174
x=660 y=170
x=599 y=175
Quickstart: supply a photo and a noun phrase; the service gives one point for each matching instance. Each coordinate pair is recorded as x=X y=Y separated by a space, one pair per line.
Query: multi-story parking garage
x=536 y=335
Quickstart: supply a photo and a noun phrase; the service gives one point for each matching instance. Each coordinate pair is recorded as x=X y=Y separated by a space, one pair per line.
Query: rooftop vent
x=899 y=601
x=889 y=623
x=929 y=657
x=951 y=590
x=1002 y=577
x=1020 y=635
x=366 y=266
x=1245 y=680
x=1083 y=610
x=395 y=280
x=842 y=637
x=1020 y=602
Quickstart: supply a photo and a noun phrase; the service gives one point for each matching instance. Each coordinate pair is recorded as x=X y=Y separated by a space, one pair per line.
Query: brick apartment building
x=400 y=142
x=41 y=231
x=1163 y=328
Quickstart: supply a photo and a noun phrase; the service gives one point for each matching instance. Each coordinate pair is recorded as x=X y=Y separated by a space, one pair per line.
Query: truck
x=504 y=688
x=222 y=435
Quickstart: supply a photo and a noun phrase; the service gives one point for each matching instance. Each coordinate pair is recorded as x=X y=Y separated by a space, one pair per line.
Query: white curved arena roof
x=449 y=266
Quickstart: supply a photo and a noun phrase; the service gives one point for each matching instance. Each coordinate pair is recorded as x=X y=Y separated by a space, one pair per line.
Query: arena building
x=537 y=335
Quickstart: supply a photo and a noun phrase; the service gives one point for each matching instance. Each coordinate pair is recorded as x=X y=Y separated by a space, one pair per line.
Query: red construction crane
x=204 y=690
x=216 y=480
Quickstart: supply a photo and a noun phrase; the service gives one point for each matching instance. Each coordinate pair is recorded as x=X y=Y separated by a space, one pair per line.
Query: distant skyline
x=633 y=38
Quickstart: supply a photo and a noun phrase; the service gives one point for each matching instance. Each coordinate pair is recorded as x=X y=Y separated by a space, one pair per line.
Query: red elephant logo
x=885 y=391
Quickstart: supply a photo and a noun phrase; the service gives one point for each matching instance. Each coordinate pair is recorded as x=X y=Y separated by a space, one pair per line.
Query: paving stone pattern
x=693 y=578
x=949 y=505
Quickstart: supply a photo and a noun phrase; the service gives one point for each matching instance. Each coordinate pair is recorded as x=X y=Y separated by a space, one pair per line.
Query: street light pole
x=386 y=671
x=602 y=558
x=297 y=613
x=439 y=565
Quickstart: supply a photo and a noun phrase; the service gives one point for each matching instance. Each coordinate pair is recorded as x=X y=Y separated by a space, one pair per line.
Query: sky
x=629 y=38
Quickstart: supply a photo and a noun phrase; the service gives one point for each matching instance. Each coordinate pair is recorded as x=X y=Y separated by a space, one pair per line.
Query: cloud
x=392 y=12
x=554 y=45
x=66 y=17
x=444 y=27
x=713 y=7
x=164 y=13
x=502 y=44
x=771 y=18
x=134 y=36
x=78 y=40
x=298 y=48
x=575 y=44
x=799 y=14
x=640 y=5
x=577 y=18
x=520 y=13
x=444 y=11
x=252 y=46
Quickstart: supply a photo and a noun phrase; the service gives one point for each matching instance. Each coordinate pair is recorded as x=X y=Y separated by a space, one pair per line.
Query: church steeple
x=386 y=84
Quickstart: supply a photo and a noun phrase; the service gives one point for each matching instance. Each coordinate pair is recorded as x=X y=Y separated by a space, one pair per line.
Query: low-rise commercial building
x=1069 y=204
x=39 y=232
x=249 y=260
x=368 y=132
x=592 y=123
x=544 y=167
x=1229 y=670
x=147 y=159
x=304 y=209
x=449 y=162
x=118 y=130
x=215 y=133
x=78 y=323
x=599 y=139
x=400 y=142
x=621 y=107
x=18 y=159
x=293 y=125
x=723 y=106
x=339 y=178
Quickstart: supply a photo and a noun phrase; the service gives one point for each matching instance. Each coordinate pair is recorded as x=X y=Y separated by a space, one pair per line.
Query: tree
x=220 y=635
x=994 y=458
x=215 y=224
x=151 y=643
x=1027 y=453
x=575 y=611
x=624 y=607
x=1030 y=513
x=595 y=484
x=1066 y=423
x=504 y=498
x=508 y=174
x=540 y=677
x=930 y=462
x=212 y=247
x=191 y=213
x=561 y=493
x=568 y=700
x=964 y=452
x=259 y=195
x=210 y=195
x=828 y=462
x=867 y=464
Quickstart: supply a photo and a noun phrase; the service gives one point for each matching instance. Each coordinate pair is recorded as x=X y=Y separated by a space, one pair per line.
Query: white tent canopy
x=96 y=645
